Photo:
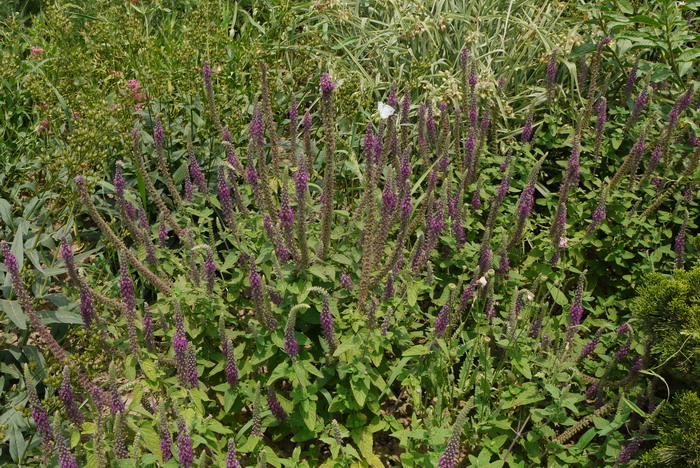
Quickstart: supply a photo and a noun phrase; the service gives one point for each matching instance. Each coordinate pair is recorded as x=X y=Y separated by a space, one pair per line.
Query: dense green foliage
x=669 y=311
x=552 y=360
x=678 y=426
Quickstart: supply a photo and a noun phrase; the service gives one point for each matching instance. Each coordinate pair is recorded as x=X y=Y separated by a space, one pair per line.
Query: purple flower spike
x=189 y=193
x=231 y=366
x=255 y=283
x=119 y=183
x=473 y=77
x=526 y=135
x=464 y=56
x=449 y=458
x=576 y=310
x=129 y=300
x=527 y=200
x=327 y=323
x=476 y=200
x=679 y=243
x=286 y=212
x=346 y=281
x=504 y=264
x=622 y=352
x=589 y=347
x=627 y=453
x=147 y=323
x=257 y=128
x=231 y=459
x=224 y=195
x=184 y=445
x=206 y=72
x=163 y=234
x=41 y=419
x=392 y=100
x=166 y=439
x=501 y=83
x=65 y=458
x=158 y=133
x=291 y=345
x=327 y=84
x=430 y=124
x=274 y=404
x=551 y=74
x=406 y=205
x=65 y=392
x=210 y=270
x=598 y=214
x=196 y=173
x=87 y=308
x=442 y=321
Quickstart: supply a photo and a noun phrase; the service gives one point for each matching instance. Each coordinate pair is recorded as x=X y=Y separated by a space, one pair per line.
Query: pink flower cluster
x=134 y=87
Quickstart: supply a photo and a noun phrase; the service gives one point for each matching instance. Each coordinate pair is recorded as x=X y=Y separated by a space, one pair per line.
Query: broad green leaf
x=360 y=389
x=15 y=313
x=345 y=347
x=365 y=442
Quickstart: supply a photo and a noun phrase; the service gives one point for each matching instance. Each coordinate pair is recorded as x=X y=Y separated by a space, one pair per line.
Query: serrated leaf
x=345 y=347
x=359 y=390
x=308 y=413
x=365 y=442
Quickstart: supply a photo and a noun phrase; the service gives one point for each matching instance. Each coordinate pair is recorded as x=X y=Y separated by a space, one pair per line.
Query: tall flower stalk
x=129 y=299
x=159 y=140
x=155 y=196
x=328 y=113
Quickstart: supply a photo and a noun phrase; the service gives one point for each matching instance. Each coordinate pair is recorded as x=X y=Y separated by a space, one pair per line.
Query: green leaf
x=582 y=50
x=17 y=444
x=365 y=443
x=308 y=413
x=249 y=445
x=417 y=350
x=411 y=295
x=586 y=438
x=319 y=272
x=229 y=399
x=647 y=20
x=149 y=369
x=6 y=212
x=130 y=367
x=558 y=296
x=625 y=7
x=397 y=370
x=523 y=367
x=635 y=408
x=15 y=313
x=61 y=315
x=661 y=73
x=345 y=347
x=360 y=388
x=340 y=258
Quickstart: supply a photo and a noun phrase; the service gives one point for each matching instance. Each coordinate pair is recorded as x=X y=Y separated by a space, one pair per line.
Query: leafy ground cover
x=259 y=265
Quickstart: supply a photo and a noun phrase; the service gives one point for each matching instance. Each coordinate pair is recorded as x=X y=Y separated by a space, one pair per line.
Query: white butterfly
x=385 y=110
